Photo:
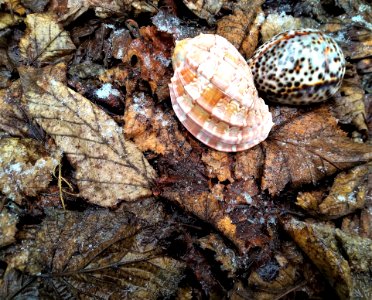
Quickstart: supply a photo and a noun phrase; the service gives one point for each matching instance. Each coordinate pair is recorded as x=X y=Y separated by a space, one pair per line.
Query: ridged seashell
x=214 y=97
x=298 y=67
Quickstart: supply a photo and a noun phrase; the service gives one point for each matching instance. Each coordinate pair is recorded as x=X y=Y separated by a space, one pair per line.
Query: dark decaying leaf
x=96 y=253
x=108 y=168
x=348 y=193
x=152 y=51
x=13 y=117
x=325 y=246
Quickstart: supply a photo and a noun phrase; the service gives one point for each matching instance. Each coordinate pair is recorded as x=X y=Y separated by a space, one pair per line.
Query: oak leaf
x=108 y=168
x=45 y=41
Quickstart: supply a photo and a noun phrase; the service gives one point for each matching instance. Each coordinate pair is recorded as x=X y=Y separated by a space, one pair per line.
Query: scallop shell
x=214 y=97
x=298 y=67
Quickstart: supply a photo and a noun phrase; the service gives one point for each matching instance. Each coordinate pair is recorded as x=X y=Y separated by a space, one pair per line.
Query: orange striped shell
x=214 y=97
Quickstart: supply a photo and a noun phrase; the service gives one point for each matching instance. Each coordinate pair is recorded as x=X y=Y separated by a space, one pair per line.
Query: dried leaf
x=347 y=194
x=224 y=255
x=218 y=165
x=15 y=6
x=354 y=38
x=45 y=41
x=152 y=50
x=68 y=10
x=233 y=209
x=349 y=102
x=241 y=28
x=95 y=253
x=320 y=245
x=16 y=285
x=277 y=23
x=7 y=20
x=152 y=128
x=206 y=10
x=8 y=226
x=26 y=168
x=108 y=168
x=359 y=224
x=358 y=251
x=107 y=8
x=298 y=154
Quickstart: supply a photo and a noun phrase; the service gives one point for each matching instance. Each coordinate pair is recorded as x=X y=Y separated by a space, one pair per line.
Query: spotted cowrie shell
x=298 y=67
x=214 y=97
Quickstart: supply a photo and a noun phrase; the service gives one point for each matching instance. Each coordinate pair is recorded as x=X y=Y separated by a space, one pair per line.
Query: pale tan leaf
x=7 y=20
x=25 y=168
x=45 y=40
x=8 y=226
x=108 y=168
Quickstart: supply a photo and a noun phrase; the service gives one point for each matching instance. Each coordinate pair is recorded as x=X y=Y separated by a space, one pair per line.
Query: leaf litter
x=226 y=224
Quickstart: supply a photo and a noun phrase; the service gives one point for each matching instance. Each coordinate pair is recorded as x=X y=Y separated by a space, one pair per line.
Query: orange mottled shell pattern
x=213 y=94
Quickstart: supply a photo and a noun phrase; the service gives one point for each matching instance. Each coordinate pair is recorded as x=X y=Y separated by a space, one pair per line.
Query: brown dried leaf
x=233 y=209
x=107 y=8
x=206 y=9
x=108 y=168
x=241 y=28
x=45 y=41
x=297 y=153
x=67 y=10
x=319 y=244
x=26 y=168
x=355 y=39
x=8 y=226
x=153 y=52
x=15 y=6
x=218 y=165
x=13 y=118
x=347 y=194
x=349 y=102
x=151 y=128
x=277 y=23
x=224 y=255
x=95 y=253
x=359 y=224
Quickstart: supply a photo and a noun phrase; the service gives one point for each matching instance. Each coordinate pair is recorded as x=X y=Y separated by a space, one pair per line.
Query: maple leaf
x=108 y=168
x=92 y=253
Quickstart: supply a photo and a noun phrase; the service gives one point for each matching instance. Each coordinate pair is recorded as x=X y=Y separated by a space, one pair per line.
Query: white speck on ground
x=106 y=90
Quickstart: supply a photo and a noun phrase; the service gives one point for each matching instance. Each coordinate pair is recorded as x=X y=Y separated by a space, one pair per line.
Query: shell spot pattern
x=213 y=94
x=298 y=67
